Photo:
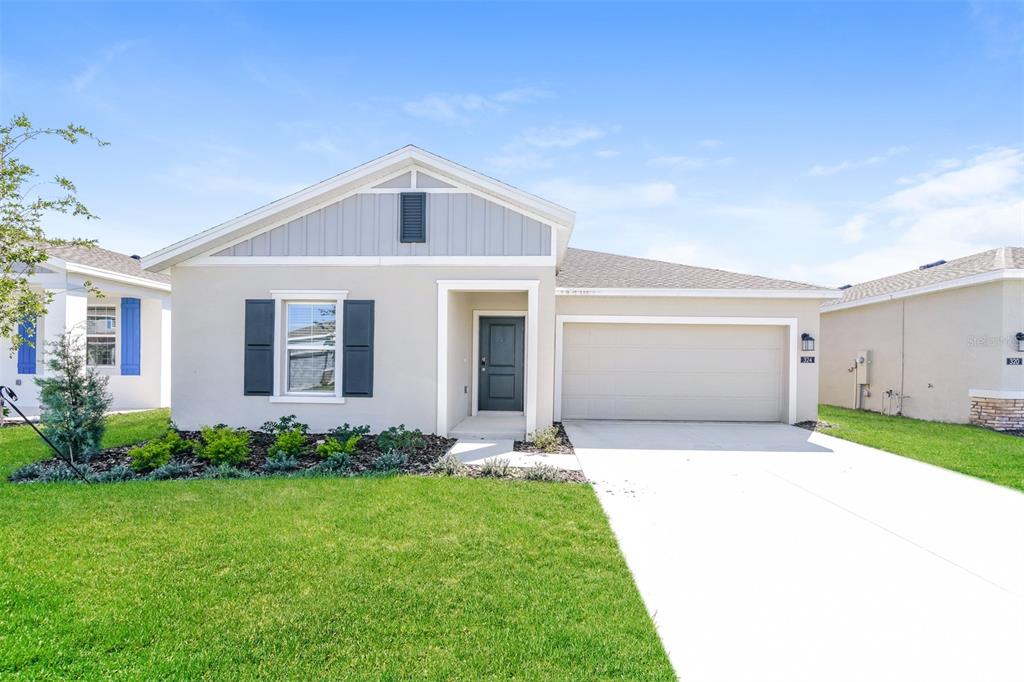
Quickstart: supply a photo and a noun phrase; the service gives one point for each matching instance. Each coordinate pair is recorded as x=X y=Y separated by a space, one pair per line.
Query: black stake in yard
x=8 y=397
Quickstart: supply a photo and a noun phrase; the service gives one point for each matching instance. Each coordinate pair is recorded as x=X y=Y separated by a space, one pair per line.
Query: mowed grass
x=972 y=450
x=399 y=578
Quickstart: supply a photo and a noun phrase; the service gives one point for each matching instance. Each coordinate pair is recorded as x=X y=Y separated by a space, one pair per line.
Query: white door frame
x=477 y=314
x=532 y=289
x=789 y=322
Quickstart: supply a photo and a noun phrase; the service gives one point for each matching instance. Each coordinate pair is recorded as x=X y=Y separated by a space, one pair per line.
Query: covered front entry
x=674 y=369
x=500 y=363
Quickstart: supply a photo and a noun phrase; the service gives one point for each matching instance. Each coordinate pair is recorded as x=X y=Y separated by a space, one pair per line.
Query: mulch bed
x=564 y=444
x=812 y=425
x=421 y=461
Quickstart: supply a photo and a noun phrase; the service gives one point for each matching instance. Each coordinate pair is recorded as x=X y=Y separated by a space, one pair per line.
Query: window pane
x=99 y=351
x=311 y=370
x=311 y=324
x=100 y=320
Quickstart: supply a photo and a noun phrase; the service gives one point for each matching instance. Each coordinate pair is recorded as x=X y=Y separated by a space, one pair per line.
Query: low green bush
x=29 y=472
x=152 y=455
x=332 y=446
x=546 y=439
x=178 y=445
x=390 y=461
x=449 y=465
x=336 y=463
x=279 y=426
x=226 y=471
x=400 y=439
x=224 y=445
x=496 y=467
x=288 y=444
x=346 y=431
x=62 y=472
x=542 y=472
x=171 y=470
x=113 y=475
x=280 y=464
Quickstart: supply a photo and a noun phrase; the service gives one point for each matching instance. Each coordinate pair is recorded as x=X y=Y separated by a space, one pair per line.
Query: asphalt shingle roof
x=1007 y=257
x=104 y=259
x=584 y=269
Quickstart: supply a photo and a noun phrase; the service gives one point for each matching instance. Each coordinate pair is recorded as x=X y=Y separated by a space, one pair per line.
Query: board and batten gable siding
x=367 y=225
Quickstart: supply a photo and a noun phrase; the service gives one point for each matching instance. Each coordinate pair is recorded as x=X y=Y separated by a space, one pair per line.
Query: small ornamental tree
x=74 y=400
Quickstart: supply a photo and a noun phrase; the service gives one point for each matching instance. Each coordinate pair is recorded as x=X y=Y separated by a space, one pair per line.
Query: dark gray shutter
x=413 y=220
x=259 y=347
x=357 y=361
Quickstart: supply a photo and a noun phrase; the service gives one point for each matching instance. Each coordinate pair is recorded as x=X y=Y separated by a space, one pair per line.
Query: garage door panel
x=695 y=372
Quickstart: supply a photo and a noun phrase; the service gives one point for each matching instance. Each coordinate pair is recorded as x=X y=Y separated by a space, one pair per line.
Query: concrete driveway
x=766 y=552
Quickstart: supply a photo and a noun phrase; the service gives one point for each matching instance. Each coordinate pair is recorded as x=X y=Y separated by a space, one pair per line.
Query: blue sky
x=830 y=143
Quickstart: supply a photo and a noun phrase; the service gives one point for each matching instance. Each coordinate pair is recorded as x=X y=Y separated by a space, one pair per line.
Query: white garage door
x=673 y=372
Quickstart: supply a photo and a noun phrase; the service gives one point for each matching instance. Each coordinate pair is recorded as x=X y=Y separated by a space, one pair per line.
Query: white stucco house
x=414 y=290
x=943 y=342
x=126 y=330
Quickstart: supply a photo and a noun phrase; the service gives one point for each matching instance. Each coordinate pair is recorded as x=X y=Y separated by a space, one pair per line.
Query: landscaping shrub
x=542 y=472
x=333 y=446
x=288 y=444
x=226 y=471
x=29 y=472
x=178 y=445
x=152 y=455
x=496 y=467
x=346 y=431
x=224 y=445
x=62 y=472
x=73 y=399
x=390 y=461
x=113 y=475
x=336 y=463
x=279 y=426
x=449 y=465
x=400 y=439
x=280 y=464
x=171 y=470
x=546 y=439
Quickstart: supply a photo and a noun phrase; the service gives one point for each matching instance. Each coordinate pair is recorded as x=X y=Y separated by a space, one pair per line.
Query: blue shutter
x=357 y=346
x=131 y=336
x=258 y=370
x=27 y=349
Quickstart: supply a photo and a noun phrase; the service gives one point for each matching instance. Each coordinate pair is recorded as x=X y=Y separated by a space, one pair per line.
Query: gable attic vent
x=844 y=287
x=412 y=221
x=932 y=265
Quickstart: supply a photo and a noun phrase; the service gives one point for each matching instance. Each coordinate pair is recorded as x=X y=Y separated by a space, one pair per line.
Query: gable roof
x=974 y=269
x=103 y=262
x=595 y=270
x=350 y=181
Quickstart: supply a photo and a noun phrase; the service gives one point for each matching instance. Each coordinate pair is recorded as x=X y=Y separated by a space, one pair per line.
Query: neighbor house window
x=101 y=335
x=310 y=347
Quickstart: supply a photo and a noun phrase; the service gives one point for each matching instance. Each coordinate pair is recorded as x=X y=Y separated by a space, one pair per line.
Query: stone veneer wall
x=1001 y=414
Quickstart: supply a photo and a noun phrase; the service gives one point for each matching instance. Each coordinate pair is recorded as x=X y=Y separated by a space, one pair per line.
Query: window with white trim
x=101 y=336
x=310 y=361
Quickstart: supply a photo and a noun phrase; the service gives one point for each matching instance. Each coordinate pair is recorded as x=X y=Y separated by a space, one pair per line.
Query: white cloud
x=615 y=197
x=822 y=170
x=690 y=162
x=85 y=78
x=561 y=136
x=223 y=177
x=607 y=153
x=946 y=215
x=710 y=144
x=459 y=107
x=516 y=158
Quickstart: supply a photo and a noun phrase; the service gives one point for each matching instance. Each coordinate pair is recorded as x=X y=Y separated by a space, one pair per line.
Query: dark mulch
x=812 y=425
x=421 y=460
x=564 y=444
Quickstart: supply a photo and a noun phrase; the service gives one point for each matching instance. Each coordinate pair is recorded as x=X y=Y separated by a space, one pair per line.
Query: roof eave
x=959 y=282
x=815 y=294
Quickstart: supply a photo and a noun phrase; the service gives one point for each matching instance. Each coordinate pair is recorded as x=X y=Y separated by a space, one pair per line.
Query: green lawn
x=970 y=450
x=407 y=577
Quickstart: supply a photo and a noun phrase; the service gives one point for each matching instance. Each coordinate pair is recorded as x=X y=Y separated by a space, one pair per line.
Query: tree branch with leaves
x=24 y=202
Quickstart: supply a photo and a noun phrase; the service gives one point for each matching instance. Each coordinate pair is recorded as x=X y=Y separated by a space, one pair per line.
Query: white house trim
x=532 y=289
x=700 y=293
x=89 y=271
x=283 y=296
x=477 y=314
x=971 y=280
x=789 y=322
x=333 y=189
x=997 y=394
x=369 y=261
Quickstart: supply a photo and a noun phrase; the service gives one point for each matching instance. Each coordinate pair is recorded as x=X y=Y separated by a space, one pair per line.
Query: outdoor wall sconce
x=806 y=342
x=1020 y=342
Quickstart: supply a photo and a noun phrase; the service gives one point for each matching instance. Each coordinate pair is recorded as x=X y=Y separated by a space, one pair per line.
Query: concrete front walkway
x=766 y=552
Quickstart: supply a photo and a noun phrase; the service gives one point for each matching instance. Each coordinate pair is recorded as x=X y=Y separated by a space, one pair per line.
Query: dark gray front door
x=501 y=363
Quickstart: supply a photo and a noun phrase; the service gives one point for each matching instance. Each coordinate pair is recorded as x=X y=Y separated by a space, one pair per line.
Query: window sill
x=324 y=399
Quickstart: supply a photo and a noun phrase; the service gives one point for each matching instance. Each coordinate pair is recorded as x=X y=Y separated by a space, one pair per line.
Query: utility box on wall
x=863 y=361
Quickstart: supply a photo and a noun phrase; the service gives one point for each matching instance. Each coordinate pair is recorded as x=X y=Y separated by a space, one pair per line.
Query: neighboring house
x=414 y=290
x=126 y=332
x=943 y=342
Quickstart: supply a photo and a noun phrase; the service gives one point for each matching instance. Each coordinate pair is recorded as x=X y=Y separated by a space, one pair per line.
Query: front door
x=501 y=363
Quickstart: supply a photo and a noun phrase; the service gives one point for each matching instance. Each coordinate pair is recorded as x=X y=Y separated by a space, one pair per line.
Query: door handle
x=483 y=364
